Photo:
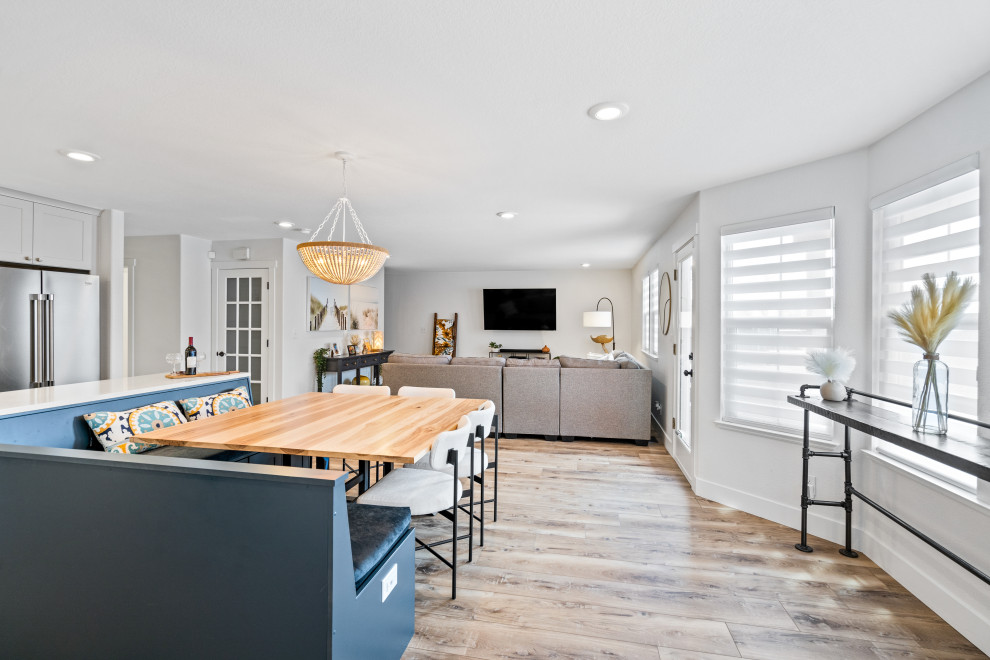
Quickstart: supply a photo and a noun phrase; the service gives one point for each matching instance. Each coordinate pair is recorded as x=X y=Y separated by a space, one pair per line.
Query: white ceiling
x=217 y=118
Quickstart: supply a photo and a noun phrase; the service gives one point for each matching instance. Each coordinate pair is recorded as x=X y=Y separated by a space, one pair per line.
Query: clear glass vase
x=930 y=398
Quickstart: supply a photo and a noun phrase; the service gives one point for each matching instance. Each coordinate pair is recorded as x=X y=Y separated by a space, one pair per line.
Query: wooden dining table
x=357 y=427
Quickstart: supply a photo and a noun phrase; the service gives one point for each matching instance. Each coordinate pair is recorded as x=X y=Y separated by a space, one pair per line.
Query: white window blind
x=655 y=311
x=934 y=230
x=646 y=314
x=778 y=284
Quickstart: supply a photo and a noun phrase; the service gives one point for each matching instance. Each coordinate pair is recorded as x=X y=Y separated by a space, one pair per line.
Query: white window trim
x=646 y=328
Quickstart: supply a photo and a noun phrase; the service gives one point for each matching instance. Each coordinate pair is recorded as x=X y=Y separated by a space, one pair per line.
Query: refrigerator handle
x=49 y=316
x=38 y=343
x=36 y=365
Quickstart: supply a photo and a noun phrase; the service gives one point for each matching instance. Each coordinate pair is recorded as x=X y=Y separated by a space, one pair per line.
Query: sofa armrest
x=605 y=403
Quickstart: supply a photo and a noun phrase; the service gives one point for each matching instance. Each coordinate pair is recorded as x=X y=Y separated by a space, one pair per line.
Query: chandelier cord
x=341 y=209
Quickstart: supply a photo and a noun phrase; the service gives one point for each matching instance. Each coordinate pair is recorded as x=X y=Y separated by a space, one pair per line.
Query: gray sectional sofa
x=567 y=397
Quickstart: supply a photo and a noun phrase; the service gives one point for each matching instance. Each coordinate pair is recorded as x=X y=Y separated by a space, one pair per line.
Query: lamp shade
x=597 y=319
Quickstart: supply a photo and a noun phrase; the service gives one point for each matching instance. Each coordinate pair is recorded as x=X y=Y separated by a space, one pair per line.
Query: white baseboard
x=947 y=589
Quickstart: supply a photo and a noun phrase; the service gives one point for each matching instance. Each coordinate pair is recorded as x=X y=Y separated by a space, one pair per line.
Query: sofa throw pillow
x=627 y=361
x=406 y=358
x=532 y=362
x=583 y=363
x=115 y=430
x=478 y=361
x=215 y=404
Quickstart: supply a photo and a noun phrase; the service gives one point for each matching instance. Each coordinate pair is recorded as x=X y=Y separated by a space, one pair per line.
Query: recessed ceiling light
x=507 y=215
x=285 y=224
x=608 y=111
x=585 y=265
x=303 y=230
x=81 y=156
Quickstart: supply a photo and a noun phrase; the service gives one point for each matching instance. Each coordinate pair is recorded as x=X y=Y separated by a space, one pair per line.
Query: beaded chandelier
x=340 y=262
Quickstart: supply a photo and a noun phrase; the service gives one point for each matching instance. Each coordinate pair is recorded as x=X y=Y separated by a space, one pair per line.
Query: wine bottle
x=190 y=358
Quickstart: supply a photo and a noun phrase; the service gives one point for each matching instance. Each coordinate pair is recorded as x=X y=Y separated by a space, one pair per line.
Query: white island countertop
x=19 y=401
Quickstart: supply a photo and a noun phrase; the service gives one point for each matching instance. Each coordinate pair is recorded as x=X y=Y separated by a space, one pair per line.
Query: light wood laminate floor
x=601 y=550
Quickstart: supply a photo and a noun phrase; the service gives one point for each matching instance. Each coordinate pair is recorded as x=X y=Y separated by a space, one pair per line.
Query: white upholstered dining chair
x=435 y=392
x=431 y=491
x=380 y=390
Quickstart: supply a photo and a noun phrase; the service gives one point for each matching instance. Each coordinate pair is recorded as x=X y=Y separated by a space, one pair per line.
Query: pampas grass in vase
x=925 y=321
x=836 y=366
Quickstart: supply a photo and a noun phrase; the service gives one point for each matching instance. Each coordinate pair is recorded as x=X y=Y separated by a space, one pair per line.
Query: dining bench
x=62 y=425
x=114 y=555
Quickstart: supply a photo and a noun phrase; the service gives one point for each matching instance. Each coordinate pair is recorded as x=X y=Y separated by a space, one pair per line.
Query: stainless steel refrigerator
x=49 y=328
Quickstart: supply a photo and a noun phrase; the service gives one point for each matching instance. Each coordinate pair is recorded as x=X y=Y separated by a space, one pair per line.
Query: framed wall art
x=328 y=306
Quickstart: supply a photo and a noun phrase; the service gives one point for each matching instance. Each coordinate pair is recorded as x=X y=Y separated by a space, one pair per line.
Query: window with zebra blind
x=931 y=225
x=778 y=295
x=932 y=230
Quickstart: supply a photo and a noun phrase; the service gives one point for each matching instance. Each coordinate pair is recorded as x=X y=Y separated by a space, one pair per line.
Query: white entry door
x=243 y=338
x=684 y=360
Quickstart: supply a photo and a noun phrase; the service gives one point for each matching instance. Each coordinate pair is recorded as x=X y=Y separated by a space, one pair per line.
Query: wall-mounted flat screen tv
x=520 y=309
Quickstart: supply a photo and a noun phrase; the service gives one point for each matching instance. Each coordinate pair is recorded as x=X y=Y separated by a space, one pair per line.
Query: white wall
x=414 y=296
x=661 y=255
x=171 y=298
x=759 y=474
x=156 y=300
x=110 y=268
x=195 y=302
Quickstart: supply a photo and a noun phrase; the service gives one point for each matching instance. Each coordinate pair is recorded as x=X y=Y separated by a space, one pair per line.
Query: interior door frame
x=684 y=455
x=272 y=388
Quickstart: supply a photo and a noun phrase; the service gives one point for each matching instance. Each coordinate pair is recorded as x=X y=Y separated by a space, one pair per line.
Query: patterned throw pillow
x=114 y=430
x=215 y=404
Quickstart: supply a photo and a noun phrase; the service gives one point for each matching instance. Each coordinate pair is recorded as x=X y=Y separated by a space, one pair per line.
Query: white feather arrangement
x=835 y=364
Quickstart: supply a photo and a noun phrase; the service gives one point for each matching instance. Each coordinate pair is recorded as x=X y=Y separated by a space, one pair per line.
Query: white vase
x=833 y=391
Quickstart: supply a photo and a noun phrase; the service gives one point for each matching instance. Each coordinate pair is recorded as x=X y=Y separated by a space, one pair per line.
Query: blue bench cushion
x=374 y=530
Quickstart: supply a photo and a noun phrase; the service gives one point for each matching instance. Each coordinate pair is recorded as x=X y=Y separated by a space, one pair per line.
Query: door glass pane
x=242 y=363
x=256 y=368
x=242 y=319
x=256 y=342
x=231 y=290
x=231 y=341
x=243 y=285
x=231 y=363
x=256 y=393
x=231 y=316
x=243 y=343
x=255 y=316
x=256 y=289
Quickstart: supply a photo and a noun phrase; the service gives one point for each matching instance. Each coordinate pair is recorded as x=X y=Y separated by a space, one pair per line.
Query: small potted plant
x=494 y=346
x=320 y=356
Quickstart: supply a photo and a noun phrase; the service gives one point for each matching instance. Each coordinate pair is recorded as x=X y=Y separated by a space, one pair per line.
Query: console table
x=519 y=352
x=962 y=448
x=342 y=363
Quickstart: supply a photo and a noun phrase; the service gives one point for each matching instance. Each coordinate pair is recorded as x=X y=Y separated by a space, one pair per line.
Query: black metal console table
x=962 y=448
x=342 y=363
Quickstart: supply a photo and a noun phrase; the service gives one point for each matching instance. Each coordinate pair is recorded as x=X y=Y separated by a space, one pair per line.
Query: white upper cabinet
x=46 y=236
x=16 y=226
x=62 y=238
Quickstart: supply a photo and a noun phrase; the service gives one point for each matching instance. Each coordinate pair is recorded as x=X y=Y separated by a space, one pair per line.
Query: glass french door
x=684 y=361
x=243 y=339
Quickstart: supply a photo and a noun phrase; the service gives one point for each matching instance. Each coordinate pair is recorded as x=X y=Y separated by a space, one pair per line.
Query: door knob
x=689 y=372
x=221 y=353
